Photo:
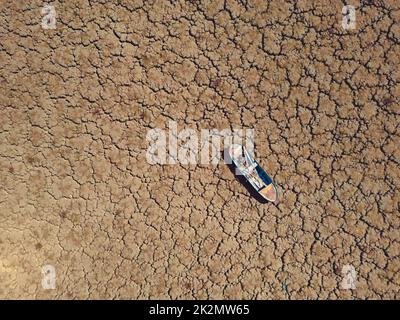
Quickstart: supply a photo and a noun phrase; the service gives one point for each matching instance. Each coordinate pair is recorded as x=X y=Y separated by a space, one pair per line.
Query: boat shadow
x=241 y=179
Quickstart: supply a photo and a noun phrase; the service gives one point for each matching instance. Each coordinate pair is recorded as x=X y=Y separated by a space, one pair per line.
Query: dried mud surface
x=76 y=191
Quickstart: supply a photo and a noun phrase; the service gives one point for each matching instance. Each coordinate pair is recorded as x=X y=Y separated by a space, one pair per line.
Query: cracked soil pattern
x=76 y=191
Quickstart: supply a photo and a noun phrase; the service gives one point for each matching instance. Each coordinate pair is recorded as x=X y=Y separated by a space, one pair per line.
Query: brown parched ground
x=76 y=191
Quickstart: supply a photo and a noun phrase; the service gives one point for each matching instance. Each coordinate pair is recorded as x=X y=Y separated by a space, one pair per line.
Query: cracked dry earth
x=76 y=191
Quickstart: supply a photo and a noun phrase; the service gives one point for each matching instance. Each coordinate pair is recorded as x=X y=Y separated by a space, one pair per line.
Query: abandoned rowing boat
x=253 y=172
